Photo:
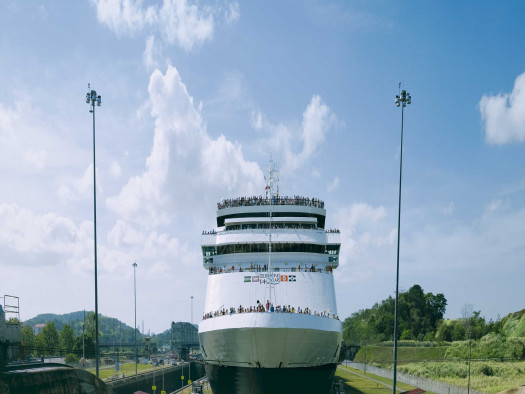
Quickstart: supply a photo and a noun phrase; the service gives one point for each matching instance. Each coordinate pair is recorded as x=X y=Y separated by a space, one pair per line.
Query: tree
x=419 y=314
x=67 y=339
x=50 y=338
x=39 y=345
x=28 y=337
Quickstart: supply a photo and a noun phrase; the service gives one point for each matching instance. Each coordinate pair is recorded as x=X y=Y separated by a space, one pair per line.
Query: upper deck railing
x=260 y=200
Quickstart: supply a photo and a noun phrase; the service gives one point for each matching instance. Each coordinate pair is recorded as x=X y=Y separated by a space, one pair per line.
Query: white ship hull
x=270 y=340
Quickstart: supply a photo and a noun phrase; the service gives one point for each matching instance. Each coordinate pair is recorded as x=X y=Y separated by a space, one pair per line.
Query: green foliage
x=513 y=325
x=412 y=343
x=28 y=336
x=50 y=337
x=407 y=334
x=473 y=327
x=419 y=314
x=71 y=358
x=39 y=346
x=490 y=346
x=67 y=339
x=487 y=376
x=384 y=354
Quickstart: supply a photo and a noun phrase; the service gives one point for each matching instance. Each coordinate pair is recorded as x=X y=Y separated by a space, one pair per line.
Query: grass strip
x=362 y=383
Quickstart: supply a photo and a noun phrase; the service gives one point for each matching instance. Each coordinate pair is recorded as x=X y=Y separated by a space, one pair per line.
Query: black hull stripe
x=242 y=380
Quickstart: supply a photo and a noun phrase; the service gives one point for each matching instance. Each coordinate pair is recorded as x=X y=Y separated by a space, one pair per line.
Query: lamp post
x=191 y=321
x=135 y=293
x=401 y=100
x=92 y=99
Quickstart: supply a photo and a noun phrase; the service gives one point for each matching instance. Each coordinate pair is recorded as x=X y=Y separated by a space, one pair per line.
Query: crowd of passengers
x=267 y=308
x=264 y=268
x=274 y=226
x=260 y=200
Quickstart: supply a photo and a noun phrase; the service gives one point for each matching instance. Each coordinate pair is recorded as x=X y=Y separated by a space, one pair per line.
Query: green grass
x=489 y=376
x=363 y=383
x=128 y=369
x=384 y=355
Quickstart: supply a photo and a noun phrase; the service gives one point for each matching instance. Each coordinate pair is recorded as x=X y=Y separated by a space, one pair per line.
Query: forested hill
x=59 y=320
x=110 y=329
x=421 y=318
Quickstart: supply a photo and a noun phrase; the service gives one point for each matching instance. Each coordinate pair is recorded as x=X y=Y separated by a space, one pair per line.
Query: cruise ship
x=270 y=321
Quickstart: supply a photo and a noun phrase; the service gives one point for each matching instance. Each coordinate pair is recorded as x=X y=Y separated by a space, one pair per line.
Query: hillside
x=384 y=355
x=111 y=329
x=514 y=324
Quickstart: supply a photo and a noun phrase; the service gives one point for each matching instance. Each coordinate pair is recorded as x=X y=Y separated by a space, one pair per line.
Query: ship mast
x=271 y=193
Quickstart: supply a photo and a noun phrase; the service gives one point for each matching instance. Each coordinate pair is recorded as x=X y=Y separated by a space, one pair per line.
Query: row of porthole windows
x=264 y=248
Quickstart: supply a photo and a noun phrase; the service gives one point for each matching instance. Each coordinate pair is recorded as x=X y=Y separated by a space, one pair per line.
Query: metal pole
x=135 y=292
x=469 y=356
x=95 y=240
x=83 y=348
x=191 y=309
x=398 y=238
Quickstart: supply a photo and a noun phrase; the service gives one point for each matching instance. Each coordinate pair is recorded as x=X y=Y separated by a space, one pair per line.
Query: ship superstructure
x=270 y=311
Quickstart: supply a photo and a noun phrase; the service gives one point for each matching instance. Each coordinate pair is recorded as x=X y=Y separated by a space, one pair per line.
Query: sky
x=196 y=97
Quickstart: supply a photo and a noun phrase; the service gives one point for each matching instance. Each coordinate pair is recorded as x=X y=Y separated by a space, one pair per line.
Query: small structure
x=184 y=337
x=10 y=333
x=37 y=328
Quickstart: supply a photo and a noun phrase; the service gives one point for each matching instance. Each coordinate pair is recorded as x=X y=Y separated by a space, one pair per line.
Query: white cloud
x=115 y=169
x=494 y=205
x=185 y=24
x=257 y=121
x=36 y=158
x=175 y=21
x=79 y=189
x=184 y=161
x=365 y=239
x=232 y=14
x=333 y=185
x=28 y=238
x=449 y=208
x=318 y=120
x=504 y=114
x=150 y=53
x=124 y=16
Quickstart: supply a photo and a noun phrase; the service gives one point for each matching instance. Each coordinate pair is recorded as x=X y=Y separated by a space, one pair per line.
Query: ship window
x=209 y=250
x=332 y=249
x=278 y=247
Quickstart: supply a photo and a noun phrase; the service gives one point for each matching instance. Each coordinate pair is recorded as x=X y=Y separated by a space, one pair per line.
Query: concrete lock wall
x=145 y=381
x=53 y=379
x=422 y=383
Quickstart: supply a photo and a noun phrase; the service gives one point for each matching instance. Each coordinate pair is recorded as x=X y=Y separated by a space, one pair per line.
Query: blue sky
x=195 y=97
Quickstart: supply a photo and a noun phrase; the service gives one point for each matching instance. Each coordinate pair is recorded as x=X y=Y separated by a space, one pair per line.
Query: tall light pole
x=401 y=100
x=135 y=292
x=92 y=99
x=191 y=321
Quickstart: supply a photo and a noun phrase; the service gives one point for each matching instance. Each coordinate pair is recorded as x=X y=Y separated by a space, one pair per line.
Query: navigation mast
x=271 y=193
